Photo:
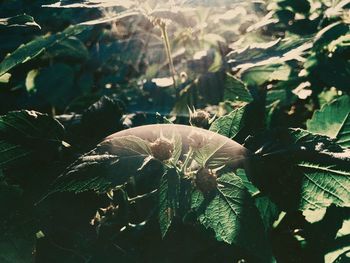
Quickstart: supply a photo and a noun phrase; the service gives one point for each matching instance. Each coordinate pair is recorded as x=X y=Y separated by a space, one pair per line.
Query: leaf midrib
x=324 y=169
x=342 y=125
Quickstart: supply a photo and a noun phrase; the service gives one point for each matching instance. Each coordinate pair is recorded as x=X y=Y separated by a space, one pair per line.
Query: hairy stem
x=168 y=53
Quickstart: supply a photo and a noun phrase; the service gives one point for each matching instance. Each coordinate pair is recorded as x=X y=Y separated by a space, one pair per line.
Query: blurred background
x=292 y=54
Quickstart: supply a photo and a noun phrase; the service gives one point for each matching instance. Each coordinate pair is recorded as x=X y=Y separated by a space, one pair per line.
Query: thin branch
x=140 y=197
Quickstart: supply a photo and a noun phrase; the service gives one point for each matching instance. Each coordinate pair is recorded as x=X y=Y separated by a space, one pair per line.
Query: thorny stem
x=168 y=52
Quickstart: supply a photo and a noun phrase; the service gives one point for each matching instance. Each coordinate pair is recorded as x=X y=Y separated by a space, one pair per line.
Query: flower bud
x=162 y=149
x=205 y=180
x=200 y=118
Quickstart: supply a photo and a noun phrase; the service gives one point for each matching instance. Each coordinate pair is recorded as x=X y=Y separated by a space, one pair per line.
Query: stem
x=140 y=197
x=188 y=157
x=168 y=53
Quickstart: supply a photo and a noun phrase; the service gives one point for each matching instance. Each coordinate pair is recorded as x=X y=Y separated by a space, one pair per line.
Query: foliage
x=332 y=120
x=266 y=179
x=26 y=135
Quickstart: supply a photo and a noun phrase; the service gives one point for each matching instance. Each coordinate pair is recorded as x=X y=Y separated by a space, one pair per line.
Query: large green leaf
x=36 y=47
x=300 y=170
x=28 y=135
x=235 y=90
x=110 y=164
x=169 y=191
x=333 y=120
x=326 y=172
x=232 y=215
x=324 y=185
x=229 y=125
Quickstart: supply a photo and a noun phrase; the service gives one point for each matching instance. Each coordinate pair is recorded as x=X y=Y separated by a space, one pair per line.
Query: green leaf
x=217 y=63
x=324 y=184
x=330 y=33
x=110 y=164
x=308 y=171
x=12 y=153
x=169 y=191
x=259 y=63
x=325 y=171
x=220 y=152
x=28 y=135
x=208 y=151
x=69 y=48
x=258 y=75
x=254 y=52
x=233 y=216
x=36 y=47
x=333 y=120
x=247 y=183
x=327 y=96
x=229 y=125
x=235 y=90
x=269 y=211
x=53 y=84
x=18 y=21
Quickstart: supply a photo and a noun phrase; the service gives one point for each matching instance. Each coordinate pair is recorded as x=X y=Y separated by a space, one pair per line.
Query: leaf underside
x=109 y=165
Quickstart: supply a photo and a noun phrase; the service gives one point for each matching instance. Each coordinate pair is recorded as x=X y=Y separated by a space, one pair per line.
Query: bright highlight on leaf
x=333 y=120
